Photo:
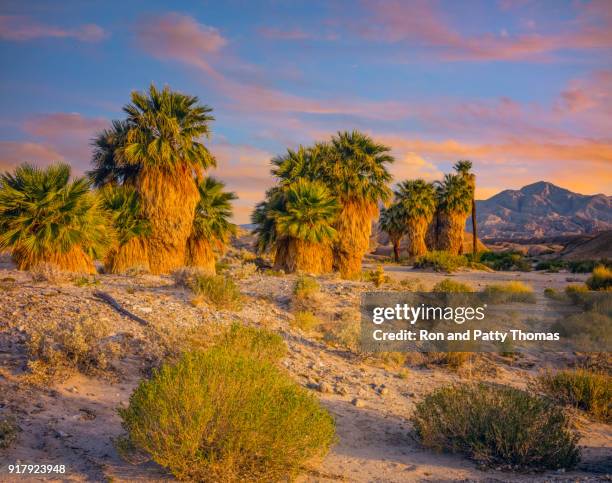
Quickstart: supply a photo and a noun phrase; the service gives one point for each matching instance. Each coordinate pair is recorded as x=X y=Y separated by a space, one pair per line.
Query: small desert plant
x=448 y=285
x=343 y=332
x=505 y=261
x=48 y=272
x=305 y=320
x=8 y=432
x=186 y=276
x=222 y=415
x=497 y=425
x=580 y=388
x=551 y=265
x=306 y=287
x=600 y=279
x=510 y=292
x=378 y=277
x=552 y=294
x=587 y=266
x=243 y=271
x=218 y=290
x=412 y=285
x=575 y=289
x=256 y=343
x=441 y=261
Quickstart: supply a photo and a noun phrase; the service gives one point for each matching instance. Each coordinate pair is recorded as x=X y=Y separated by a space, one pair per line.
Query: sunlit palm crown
x=42 y=211
x=214 y=211
x=417 y=198
x=264 y=220
x=123 y=204
x=307 y=213
x=454 y=193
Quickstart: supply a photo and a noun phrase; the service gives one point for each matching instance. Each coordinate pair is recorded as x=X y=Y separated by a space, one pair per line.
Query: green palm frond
x=263 y=217
x=214 y=212
x=123 y=204
x=454 y=194
x=393 y=221
x=43 y=212
x=164 y=128
x=417 y=198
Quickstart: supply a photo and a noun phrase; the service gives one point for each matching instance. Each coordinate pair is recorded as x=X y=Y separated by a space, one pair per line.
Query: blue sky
x=520 y=87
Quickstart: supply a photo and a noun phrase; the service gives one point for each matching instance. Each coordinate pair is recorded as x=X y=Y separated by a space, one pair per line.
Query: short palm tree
x=298 y=220
x=356 y=172
x=454 y=203
x=212 y=226
x=45 y=217
x=158 y=148
x=392 y=222
x=463 y=168
x=418 y=201
x=130 y=251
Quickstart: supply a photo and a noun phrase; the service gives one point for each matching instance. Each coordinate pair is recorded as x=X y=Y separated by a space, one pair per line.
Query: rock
x=341 y=390
x=383 y=390
x=358 y=403
x=325 y=388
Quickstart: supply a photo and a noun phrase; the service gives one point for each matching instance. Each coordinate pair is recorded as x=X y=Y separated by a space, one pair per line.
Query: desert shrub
x=56 y=347
x=584 y=327
x=575 y=289
x=48 y=272
x=257 y=343
x=305 y=320
x=412 y=285
x=306 y=287
x=8 y=432
x=505 y=261
x=586 y=390
x=587 y=266
x=378 y=276
x=243 y=271
x=218 y=290
x=441 y=261
x=343 y=332
x=222 y=415
x=497 y=425
x=600 y=279
x=552 y=294
x=510 y=292
x=551 y=265
x=451 y=286
x=186 y=276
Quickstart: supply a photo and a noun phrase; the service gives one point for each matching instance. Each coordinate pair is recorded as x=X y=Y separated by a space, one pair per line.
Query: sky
x=522 y=88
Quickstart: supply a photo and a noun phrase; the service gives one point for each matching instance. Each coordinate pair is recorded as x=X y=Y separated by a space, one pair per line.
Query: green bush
x=510 y=292
x=441 y=261
x=223 y=415
x=497 y=425
x=306 y=287
x=218 y=290
x=448 y=285
x=600 y=279
x=257 y=343
x=586 y=390
x=505 y=261
x=552 y=265
x=587 y=266
x=305 y=320
x=8 y=432
x=378 y=276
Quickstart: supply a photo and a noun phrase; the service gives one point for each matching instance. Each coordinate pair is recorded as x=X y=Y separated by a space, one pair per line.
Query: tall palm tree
x=159 y=146
x=45 y=217
x=298 y=220
x=454 y=203
x=417 y=199
x=130 y=251
x=212 y=227
x=356 y=171
x=392 y=222
x=463 y=168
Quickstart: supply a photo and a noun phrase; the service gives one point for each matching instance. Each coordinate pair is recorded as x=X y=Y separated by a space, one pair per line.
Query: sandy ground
x=74 y=422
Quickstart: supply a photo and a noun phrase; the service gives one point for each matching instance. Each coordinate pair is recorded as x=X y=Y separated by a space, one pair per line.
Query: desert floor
x=74 y=421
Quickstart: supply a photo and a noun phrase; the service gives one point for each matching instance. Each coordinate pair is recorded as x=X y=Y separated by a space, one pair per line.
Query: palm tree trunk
x=452 y=229
x=132 y=254
x=396 y=249
x=301 y=256
x=168 y=201
x=474 y=230
x=418 y=230
x=200 y=254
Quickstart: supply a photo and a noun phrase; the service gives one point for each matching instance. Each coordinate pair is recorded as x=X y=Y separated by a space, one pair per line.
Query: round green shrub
x=223 y=415
x=497 y=425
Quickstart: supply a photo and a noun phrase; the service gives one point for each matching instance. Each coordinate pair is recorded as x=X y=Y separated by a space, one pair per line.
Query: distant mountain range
x=541 y=210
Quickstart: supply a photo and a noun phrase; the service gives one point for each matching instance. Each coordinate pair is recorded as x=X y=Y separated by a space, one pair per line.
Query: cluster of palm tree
x=432 y=216
x=318 y=217
x=151 y=205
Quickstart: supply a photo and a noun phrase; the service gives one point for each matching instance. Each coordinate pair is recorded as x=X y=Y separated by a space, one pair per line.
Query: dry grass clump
x=305 y=321
x=378 y=276
x=245 y=270
x=186 y=276
x=8 y=432
x=600 y=279
x=218 y=290
x=306 y=287
x=582 y=389
x=412 y=285
x=450 y=286
x=441 y=261
x=497 y=425
x=56 y=348
x=573 y=289
x=49 y=272
x=344 y=331
x=226 y=415
x=510 y=292
x=257 y=343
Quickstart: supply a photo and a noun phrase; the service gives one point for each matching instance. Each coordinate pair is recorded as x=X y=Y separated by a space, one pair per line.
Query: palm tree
x=130 y=251
x=212 y=227
x=463 y=167
x=158 y=149
x=47 y=218
x=392 y=222
x=417 y=199
x=356 y=171
x=454 y=203
x=297 y=220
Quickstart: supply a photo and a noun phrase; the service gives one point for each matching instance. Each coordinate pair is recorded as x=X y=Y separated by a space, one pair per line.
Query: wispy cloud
x=14 y=153
x=21 y=28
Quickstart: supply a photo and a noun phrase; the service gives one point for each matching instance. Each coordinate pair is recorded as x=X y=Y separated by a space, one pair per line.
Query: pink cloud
x=22 y=28
x=60 y=124
x=14 y=153
x=277 y=34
